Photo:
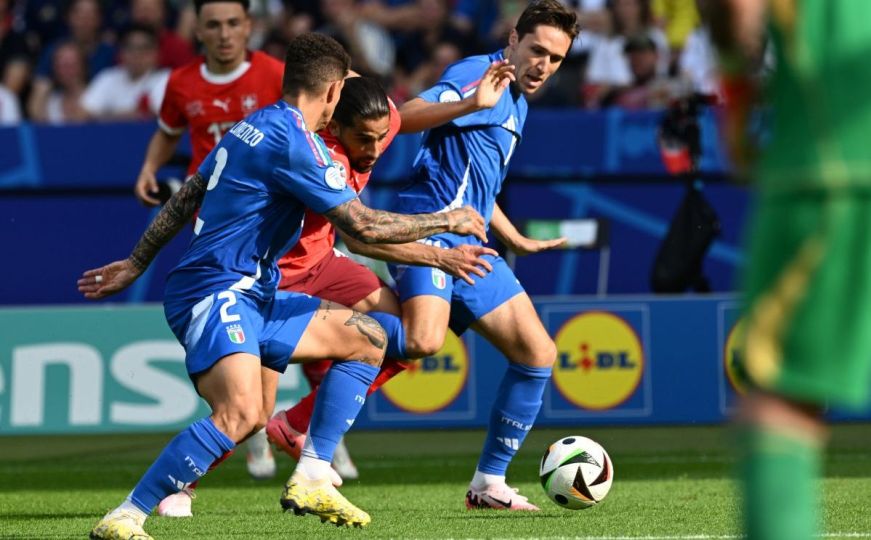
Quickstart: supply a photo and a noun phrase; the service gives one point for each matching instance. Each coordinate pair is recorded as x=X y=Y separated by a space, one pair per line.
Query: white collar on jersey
x=224 y=78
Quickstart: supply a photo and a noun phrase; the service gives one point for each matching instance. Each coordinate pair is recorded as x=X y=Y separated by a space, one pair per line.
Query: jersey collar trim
x=224 y=78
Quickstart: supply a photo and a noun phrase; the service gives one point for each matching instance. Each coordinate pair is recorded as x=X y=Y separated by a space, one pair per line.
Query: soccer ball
x=576 y=472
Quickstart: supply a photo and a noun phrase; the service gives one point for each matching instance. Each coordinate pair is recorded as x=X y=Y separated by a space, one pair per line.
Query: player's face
x=363 y=141
x=224 y=28
x=537 y=56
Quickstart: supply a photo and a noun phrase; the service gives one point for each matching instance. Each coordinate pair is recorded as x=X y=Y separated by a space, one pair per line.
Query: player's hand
x=146 y=189
x=493 y=84
x=107 y=280
x=467 y=220
x=527 y=246
x=464 y=260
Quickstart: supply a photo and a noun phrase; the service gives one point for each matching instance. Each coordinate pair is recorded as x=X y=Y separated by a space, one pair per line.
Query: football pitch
x=670 y=483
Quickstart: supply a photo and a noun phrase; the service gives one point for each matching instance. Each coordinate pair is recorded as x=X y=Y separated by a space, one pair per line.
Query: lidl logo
x=431 y=383
x=600 y=360
x=733 y=358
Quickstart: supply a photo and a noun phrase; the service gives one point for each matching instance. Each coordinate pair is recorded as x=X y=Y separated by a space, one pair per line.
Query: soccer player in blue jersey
x=221 y=299
x=474 y=116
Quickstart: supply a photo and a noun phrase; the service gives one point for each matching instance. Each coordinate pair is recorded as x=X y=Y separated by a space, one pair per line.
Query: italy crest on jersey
x=236 y=334
x=439 y=279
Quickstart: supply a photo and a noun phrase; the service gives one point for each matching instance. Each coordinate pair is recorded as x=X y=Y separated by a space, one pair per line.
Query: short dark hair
x=137 y=28
x=646 y=15
x=312 y=61
x=198 y=4
x=549 y=13
x=362 y=98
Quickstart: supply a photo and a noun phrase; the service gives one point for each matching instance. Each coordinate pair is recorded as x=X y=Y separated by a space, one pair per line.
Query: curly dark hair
x=313 y=60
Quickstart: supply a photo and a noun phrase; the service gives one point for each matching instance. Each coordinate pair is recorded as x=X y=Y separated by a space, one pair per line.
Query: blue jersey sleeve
x=310 y=175
x=460 y=80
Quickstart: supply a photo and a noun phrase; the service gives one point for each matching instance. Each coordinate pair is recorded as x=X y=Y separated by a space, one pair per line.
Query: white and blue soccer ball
x=576 y=472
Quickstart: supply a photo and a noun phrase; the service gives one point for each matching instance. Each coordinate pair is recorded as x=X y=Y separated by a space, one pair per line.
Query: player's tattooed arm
x=375 y=226
x=116 y=276
x=175 y=214
x=462 y=261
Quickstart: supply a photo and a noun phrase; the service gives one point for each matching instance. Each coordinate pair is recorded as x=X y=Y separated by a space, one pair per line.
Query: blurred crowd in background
x=85 y=60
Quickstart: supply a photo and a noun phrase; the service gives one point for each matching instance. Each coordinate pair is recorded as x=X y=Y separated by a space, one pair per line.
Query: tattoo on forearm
x=370 y=328
x=177 y=211
x=375 y=226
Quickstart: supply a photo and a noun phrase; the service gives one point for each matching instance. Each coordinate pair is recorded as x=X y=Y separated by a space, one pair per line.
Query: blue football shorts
x=229 y=322
x=468 y=302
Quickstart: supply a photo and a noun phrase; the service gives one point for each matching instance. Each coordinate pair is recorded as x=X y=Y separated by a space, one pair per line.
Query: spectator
x=509 y=12
x=16 y=57
x=84 y=20
x=698 y=60
x=594 y=20
x=392 y=15
x=428 y=73
x=44 y=21
x=434 y=25
x=648 y=89
x=476 y=19
x=10 y=112
x=173 y=50
x=370 y=46
x=57 y=99
x=132 y=89
x=608 y=66
x=678 y=18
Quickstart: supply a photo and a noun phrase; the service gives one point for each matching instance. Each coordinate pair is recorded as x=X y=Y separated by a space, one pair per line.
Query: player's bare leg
x=232 y=388
x=259 y=459
x=357 y=343
x=179 y=504
x=515 y=329
x=286 y=430
x=425 y=319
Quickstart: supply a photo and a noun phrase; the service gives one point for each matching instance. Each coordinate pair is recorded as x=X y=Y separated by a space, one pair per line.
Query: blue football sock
x=517 y=403
x=340 y=397
x=395 y=334
x=186 y=458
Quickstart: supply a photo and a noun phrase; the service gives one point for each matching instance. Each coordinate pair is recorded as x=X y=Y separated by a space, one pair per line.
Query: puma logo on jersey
x=222 y=104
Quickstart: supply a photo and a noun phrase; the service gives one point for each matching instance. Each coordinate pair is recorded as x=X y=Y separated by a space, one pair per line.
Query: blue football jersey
x=465 y=161
x=262 y=175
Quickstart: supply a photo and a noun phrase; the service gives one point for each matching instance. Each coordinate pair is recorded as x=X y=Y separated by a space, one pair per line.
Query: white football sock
x=313 y=468
x=482 y=480
x=130 y=508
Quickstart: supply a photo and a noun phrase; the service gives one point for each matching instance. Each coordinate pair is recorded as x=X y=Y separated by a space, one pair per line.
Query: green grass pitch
x=670 y=483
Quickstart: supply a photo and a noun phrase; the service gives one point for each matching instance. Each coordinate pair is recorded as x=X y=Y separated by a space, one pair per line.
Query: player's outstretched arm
x=160 y=149
x=376 y=226
x=508 y=234
x=462 y=261
x=419 y=115
x=175 y=214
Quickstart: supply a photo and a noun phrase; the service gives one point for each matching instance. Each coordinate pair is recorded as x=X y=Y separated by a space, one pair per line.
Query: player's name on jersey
x=249 y=134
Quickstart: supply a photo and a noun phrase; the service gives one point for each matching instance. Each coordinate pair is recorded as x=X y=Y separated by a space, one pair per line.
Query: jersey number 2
x=230 y=298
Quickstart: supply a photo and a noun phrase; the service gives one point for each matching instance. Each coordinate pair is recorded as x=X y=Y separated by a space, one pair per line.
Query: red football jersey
x=318 y=237
x=211 y=104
